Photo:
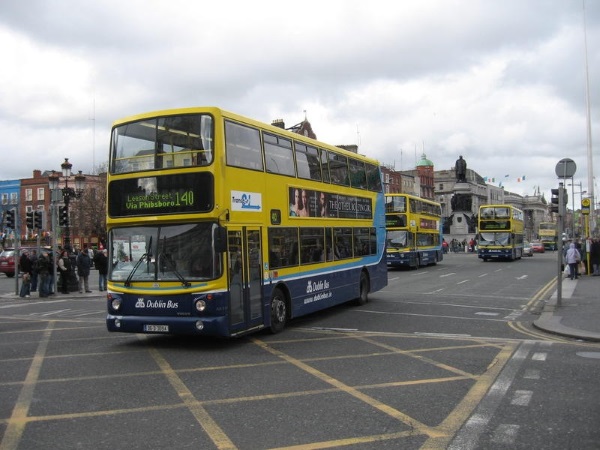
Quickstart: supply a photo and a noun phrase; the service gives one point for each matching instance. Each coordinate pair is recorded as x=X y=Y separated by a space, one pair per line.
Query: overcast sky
x=500 y=82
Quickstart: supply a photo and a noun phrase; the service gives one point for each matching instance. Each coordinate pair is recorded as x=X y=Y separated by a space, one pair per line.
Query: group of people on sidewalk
x=575 y=258
x=38 y=271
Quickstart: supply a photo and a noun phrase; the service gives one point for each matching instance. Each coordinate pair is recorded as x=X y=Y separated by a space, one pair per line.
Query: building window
x=4 y=199
x=40 y=193
x=28 y=195
x=13 y=198
x=441 y=187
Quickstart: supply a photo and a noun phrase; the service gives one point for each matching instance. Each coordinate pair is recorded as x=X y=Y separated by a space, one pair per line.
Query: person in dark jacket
x=84 y=263
x=64 y=268
x=27 y=270
x=595 y=256
x=101 y=263
x=44 y=267
x=34 y=274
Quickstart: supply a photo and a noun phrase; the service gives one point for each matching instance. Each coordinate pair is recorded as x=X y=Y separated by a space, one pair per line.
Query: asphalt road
x=444 y=357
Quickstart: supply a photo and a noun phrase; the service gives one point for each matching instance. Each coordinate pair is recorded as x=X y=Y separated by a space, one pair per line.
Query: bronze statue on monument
x=461 y=170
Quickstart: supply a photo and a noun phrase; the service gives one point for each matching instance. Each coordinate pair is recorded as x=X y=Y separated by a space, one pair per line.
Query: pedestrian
x=26 y=269
x=573 y=258
x=44 y=267
x=595 y=256
x=34 y=274
x=64 y=268
x=84 y=262
x=101 y=264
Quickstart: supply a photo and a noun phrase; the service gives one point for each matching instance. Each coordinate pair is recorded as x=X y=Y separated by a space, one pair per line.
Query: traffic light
x=30 y=220
x=558 y=202
x=555 y=201
x=63 y=216
x=38 y=219
x=10 y=219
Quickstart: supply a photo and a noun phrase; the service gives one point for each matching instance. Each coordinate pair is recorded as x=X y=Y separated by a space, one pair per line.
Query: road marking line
x=521 y=398
x=214 y=432
x=17 y=421
x=468 y=437
x=417 y=426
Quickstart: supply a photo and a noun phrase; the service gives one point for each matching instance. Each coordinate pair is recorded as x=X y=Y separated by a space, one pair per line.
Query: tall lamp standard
x=67 y=193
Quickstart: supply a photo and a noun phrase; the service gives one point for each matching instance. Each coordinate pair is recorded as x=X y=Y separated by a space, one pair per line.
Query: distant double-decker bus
x=500 y=232
x=548 y=235
x=414 y=231
x=221 y=225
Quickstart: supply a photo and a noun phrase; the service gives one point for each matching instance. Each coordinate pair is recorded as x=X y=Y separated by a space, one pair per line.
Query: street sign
x=565 y=168
x=585 y=205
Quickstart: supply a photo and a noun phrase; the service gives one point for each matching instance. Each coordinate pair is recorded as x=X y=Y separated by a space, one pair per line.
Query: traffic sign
x=565 y=168
x=585 y=205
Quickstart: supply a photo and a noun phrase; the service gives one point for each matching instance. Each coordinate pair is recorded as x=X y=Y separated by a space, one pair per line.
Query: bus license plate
x=156 y=328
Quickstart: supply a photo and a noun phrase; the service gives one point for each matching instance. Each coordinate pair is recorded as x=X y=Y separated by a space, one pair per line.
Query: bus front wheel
x=278 y=311
x=363 y=290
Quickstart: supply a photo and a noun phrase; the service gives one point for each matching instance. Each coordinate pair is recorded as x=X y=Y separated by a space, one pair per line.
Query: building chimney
x=278 y=123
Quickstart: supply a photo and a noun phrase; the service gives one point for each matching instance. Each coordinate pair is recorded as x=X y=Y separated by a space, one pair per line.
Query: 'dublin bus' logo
x=140 y=303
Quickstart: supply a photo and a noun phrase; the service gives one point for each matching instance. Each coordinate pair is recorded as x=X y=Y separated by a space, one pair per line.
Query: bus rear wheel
x=278 y=311
x=363 y=290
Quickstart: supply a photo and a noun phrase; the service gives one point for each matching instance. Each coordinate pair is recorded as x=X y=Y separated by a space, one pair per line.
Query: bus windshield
x=171 y=252
x=398 y=239
x=163 y=142
x=494 y=239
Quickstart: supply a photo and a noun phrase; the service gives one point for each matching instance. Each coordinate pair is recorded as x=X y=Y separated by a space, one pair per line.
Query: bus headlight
x=200 y=305
x=199 y=325
x=116 y=303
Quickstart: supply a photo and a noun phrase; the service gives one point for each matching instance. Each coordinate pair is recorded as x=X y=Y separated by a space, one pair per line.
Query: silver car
x=527 y=250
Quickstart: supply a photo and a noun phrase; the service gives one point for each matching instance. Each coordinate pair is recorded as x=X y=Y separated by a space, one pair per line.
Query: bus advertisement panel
x=414 y=232
x=222 y=225
x=500 y=232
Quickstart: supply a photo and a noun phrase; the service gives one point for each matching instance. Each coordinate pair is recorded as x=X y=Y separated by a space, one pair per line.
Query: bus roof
x=215 y=111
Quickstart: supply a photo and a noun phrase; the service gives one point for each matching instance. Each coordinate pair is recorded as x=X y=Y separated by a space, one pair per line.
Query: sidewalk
x=579 y=314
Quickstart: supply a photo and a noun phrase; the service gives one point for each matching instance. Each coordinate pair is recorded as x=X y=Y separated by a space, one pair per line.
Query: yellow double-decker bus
x=548 y=235
x=414 y=231
x=221 y=225
x=500 y=232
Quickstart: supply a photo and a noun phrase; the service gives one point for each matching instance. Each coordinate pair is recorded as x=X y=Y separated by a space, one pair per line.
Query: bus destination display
x=170 y=194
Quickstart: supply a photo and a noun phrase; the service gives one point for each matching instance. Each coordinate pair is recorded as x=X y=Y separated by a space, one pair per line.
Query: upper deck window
x=164 y=142
x=278 y=155
x=243 y=146
x=307 y=161
x=395 y=204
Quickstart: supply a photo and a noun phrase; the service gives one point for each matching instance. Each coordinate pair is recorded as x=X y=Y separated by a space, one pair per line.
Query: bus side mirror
x=220 y=238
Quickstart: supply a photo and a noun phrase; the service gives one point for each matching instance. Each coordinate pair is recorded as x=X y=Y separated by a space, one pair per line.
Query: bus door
x=245 y=277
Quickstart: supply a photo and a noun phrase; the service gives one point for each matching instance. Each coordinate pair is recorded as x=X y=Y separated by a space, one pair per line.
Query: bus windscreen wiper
x=162 y=256
x=145 y=256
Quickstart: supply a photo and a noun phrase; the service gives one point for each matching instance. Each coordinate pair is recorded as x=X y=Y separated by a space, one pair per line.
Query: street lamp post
x=67 y=193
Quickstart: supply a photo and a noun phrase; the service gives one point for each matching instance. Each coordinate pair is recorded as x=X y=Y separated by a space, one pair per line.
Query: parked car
x=7 y=262
x=527 y=250
x=537 y=247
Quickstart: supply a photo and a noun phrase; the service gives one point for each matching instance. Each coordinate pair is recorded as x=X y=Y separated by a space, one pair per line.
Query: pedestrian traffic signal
x=10 y=219
x=38 y=219
x=63 y=216
x=30 y=220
